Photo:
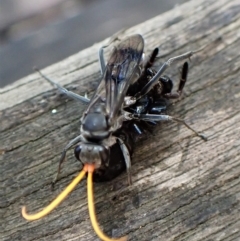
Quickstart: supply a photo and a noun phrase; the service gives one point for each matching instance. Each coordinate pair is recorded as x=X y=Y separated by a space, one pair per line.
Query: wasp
x=130 y=96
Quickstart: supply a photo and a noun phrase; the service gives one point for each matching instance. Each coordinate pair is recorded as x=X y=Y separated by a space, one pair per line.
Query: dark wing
x=122 y=69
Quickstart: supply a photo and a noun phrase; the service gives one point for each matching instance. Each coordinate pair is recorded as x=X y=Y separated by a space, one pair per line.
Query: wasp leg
x=138 y=129
x=67 y=147
x=166 y=65
x=101 y=59
x=63 y=90
x=151 y=60
x=141 y=82
x=101 y=50
x=181 y=85
x=152 y=117
x=127 y=158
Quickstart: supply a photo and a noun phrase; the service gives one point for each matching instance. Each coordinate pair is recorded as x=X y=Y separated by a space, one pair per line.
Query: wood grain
x=183 y=188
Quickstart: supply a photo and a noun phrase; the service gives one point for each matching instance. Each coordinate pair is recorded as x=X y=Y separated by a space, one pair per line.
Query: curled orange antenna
x=91 y=208
x=57 y=200
x=87 y=168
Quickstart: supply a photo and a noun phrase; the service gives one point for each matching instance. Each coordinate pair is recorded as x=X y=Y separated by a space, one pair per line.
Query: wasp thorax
x=95 y=122
x=95 y=125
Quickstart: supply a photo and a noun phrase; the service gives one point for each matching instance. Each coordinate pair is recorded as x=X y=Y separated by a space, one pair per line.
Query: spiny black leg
x=183 y=79
x=181 y=85
x=166 y=65
x=151 y=60
x=167 y=85
x=147 y=71
x=137 y=129
x=157 y=107
x=152 y=117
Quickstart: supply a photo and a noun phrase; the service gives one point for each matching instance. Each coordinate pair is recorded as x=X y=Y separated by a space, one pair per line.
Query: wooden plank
x=183 y=188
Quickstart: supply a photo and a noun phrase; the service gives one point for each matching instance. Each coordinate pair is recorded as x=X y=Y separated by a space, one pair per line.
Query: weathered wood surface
x=184 y=188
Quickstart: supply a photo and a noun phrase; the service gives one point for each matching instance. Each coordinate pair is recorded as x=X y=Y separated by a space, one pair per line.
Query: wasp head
x=92 y=153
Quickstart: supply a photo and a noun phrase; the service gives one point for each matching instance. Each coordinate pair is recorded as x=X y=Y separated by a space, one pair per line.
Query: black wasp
x=130 y=95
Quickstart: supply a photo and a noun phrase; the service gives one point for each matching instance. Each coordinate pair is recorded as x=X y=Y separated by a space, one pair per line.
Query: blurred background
x=39 y=33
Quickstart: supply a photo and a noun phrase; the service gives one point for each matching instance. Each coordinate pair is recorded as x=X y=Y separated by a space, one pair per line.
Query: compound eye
x=77 y=151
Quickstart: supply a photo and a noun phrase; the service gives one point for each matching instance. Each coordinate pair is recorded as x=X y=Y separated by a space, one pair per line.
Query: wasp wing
x=121 y=71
